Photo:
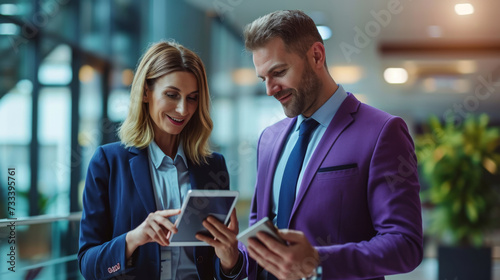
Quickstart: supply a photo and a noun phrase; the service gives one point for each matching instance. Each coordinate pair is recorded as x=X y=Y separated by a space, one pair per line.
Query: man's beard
x=306 y=94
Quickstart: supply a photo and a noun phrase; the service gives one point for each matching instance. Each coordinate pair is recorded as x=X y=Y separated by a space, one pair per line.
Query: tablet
x=264 y=225
x=197 y=206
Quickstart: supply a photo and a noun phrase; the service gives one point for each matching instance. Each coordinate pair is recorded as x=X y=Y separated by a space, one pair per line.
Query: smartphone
x=264 y=225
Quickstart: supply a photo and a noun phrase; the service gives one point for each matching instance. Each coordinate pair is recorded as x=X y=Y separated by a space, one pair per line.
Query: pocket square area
x=338 y=167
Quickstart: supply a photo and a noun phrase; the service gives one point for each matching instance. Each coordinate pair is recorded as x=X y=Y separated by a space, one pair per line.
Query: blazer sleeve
x=220 y=162
x=249 y=266
x=100 y=256
x=395 y=210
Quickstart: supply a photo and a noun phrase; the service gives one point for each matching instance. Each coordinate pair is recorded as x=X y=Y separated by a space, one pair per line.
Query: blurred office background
x=66 y=67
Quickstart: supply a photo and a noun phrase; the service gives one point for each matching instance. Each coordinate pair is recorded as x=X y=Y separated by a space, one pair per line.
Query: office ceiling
x=453 y=61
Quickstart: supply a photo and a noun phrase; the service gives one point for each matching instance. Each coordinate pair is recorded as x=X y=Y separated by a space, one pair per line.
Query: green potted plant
x=459 y=163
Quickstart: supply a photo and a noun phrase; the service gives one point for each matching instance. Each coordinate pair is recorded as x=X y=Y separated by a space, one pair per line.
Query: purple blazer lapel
x=339 y=123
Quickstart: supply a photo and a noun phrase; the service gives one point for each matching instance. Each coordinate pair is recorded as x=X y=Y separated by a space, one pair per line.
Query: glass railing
x=41 y=247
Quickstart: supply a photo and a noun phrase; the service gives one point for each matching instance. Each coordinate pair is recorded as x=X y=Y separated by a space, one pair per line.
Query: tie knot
x=307 y=126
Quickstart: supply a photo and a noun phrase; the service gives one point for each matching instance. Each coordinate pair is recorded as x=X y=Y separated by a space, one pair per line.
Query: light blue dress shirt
x=170 y=184
x=323 y=116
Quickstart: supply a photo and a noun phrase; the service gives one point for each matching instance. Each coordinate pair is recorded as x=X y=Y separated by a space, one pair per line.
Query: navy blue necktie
x=292 y=171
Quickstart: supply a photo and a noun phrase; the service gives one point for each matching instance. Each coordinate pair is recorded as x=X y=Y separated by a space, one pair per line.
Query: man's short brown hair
x=297 y=30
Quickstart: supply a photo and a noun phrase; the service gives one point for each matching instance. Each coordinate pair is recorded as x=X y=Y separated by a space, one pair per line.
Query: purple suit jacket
x=358 y=203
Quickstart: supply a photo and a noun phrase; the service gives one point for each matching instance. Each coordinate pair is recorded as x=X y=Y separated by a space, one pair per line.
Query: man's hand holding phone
x=287 y=254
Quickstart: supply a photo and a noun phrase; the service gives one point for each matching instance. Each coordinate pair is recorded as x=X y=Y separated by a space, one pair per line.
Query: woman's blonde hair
x=160 y=59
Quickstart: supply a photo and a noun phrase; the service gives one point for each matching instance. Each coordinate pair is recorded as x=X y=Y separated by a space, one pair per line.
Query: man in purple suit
x=355 y=211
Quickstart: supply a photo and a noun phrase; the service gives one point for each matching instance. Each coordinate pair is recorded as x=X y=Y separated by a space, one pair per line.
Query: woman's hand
x=156 y=228
x=224 y=240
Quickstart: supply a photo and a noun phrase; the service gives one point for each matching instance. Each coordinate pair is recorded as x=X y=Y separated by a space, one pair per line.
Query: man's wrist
x=318 y=271
x=235 y=269
x=316 y=275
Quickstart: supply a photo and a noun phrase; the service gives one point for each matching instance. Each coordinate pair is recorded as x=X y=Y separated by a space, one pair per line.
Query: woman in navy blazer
x=123 y=226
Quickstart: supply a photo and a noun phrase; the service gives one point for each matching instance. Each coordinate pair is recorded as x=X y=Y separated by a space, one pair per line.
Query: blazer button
x=199 y=259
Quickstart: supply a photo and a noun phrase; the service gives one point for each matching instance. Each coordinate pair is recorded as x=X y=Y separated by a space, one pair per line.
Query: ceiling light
x=395 y=75
x=86 y=74
x=324 y=31
x=346 y=74
x=127 y=77
x=464 y=9
x=244 y=77
x=466 y=66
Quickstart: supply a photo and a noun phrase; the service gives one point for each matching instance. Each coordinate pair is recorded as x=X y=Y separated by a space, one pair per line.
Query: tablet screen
x=198 y=205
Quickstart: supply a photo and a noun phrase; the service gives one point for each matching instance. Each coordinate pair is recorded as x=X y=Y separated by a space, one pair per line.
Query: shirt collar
x=157 y=155
x=325 y=113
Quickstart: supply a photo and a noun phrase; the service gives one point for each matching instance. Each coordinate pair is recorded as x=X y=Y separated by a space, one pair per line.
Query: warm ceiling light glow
x=127 y=77
x=395 y=75
x=464 y=9
x=466 y=66
x=244 y=77
x=86 y=73
x=346 y=74
x=324 y=31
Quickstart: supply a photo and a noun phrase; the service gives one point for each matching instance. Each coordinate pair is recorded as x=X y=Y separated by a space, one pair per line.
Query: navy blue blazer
x=118 y=197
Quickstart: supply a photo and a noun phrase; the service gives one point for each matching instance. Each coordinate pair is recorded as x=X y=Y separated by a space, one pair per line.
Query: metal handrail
x=44 y=264
x=41 y=219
